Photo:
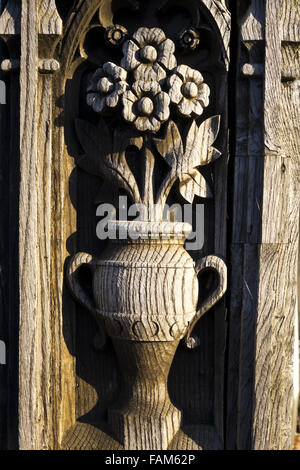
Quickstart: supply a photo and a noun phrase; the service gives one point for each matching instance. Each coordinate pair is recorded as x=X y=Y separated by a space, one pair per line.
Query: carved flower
x=107 y=85
x=149 y=54
x=146 y=105
x=115 y=34
x=189 y=39
x=188 y=91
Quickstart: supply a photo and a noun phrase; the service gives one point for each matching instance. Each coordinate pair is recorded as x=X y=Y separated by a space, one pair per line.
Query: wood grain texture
x=210 y=408
x=252 y=25
x=38 y=418
x=146 y=329
x=264 y=242
x=265 y=235
x=4 y=266
x=273 y=35
x=63 y=225
x=50 y=22
x=49 y=407
x=28 y=229
x=274 y=406
x=10 y=23
x=290 y=20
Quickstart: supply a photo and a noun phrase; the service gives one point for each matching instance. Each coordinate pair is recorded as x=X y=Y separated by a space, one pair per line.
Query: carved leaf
x=171 y=147
x=199 y=150
x=193 y=184
x=106 y=156
x=122 y=140
x=96 y=144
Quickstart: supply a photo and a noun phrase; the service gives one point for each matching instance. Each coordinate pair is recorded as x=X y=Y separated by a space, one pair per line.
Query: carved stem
x=126 y=179
x=148 y=196
x=165 y=189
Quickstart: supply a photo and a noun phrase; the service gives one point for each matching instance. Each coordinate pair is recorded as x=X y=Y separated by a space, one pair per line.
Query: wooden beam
x=28 y=256
x=265 y=234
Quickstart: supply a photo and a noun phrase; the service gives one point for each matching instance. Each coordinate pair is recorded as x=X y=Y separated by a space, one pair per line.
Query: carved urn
x=145 y=284
x=145 y=296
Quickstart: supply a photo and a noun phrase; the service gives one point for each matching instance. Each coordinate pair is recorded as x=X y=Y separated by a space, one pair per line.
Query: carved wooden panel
x=144 y=111
x=115 y=98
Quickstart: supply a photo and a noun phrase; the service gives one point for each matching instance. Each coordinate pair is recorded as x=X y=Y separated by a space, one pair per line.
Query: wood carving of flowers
x=107 y=85
x=146 y=105
x=149 y=54
x=188 y=91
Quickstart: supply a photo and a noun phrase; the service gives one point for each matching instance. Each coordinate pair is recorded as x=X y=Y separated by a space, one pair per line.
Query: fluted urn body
x=147 y=289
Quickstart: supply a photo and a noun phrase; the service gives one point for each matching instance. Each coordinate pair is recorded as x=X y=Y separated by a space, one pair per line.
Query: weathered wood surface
x=57 y=218
x=145 y=329
x=265 y=233
x=4 y=276
x=40 y=407
x=29 y=360
x=201 y=408
x=146 y=107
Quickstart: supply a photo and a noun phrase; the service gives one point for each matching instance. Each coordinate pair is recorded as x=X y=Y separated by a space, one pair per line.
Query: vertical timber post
x=265 y=229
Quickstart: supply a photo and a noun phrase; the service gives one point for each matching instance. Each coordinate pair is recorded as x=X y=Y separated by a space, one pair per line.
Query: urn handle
x=80 y=294
x=216 y=264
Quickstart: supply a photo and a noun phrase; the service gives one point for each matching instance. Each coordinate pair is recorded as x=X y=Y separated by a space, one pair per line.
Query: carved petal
x=130 y=60
x=186 y=107
x=95 y=78
x=194 y=75
x=147 y=124
x=113 y=99
x=128 y=100
x=166 y=54
x=129 y=96
x=175 y=80
x=155 y=124
x=162 y=110
x=193 y=184
x=189 y=74
x=198 y=108
x=116 y=72
x=121 y=87
x=204 y=94
x=97 y=103
x=148 y=72
x=175 y=83
x=141 y=87
x=146 y=36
